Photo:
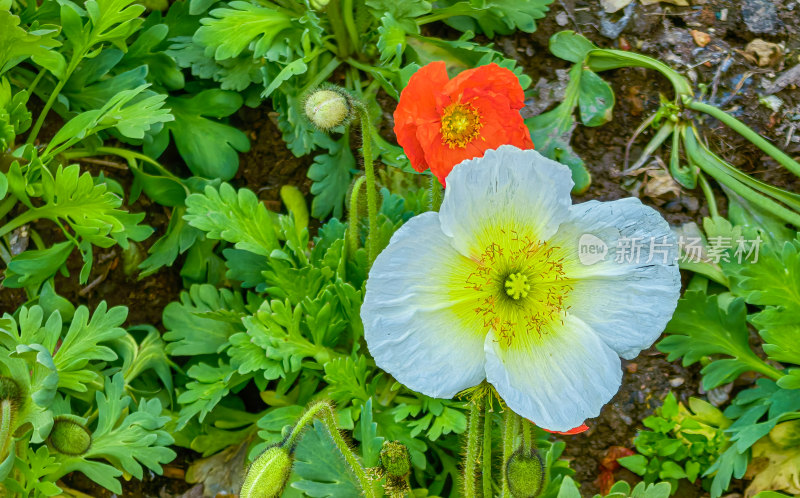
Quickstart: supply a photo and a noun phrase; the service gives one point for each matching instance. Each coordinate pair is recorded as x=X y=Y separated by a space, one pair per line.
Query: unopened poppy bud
x=328 y=108
x=70 y=437
x=786 y=434
x=267 y=476
x=9 y=390
x=394 y=459
x=319 y=4
x=525 y=474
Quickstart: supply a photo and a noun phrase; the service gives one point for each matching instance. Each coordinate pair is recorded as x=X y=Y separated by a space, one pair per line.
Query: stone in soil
x=760 y=16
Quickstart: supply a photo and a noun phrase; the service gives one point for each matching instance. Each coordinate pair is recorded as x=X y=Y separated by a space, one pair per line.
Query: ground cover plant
x=365 y=248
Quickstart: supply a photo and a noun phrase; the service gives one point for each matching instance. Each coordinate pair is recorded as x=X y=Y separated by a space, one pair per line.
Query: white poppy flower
x=511 y=283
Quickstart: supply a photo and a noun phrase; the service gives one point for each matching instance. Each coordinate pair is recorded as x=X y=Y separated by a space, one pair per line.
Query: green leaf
x=568 y=489
x=702 y=327
x=495 y=16
x=191 y=327
x=208 y=147
x=17 y=44
x=30 y=269
x=635 y=463
x=570 y=46
x=320 y=467
x=231 y=30
x=595 y=99
x=551 y=132
x=236 y=217
x=331 y=176
x=671 y=470
x=128 y=438
x=775 y=279
x=178 y=238
x=371 y=443
x=294 y=68
x=82 y=345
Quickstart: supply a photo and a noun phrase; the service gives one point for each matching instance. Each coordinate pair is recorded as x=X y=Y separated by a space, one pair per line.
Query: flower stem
x=471 y=458
x=743 y=130
x=486 y=472
x=510 y=429
x=324 y=412
x=710 y=199
x=352 y=229
x=369 y=171
x=527 y=438
x=436 y=194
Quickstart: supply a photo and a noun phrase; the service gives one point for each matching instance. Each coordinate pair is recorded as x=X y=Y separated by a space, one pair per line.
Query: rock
x=677 y=381
x=562 y=19
x=760 y=16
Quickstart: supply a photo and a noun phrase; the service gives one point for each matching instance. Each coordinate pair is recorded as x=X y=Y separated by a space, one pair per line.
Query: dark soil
x=660 y=30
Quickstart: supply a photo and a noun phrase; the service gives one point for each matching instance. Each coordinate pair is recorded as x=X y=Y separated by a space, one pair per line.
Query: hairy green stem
x=710 y=199
x=471 y=457
x=527 y=435
x=436 y=193
x=510 y=430
x=323 y=411
x=486 y=472
x=352 y=229
x=747 y=133
x=6 y=414
x=369 y=171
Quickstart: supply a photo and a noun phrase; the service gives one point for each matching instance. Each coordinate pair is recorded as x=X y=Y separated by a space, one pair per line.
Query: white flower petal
x=411 y=317
x=560 y=380
x=626 y=298
x=517 y=189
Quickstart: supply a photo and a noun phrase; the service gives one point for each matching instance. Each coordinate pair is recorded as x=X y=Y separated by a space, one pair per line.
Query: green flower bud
x=267 y=476
x=395 y=459
x=525 y=474
x=328 y=108
x=69 y=436
x=787 y=434
x=319 y=4
x=10 y=391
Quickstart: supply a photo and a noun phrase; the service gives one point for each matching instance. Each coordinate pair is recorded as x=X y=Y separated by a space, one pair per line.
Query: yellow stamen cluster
x=461 y=124
x=520 y=288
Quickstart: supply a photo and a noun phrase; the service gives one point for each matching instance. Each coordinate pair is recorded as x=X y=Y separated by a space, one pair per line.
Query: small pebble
x=632 y=367
x=677 y=381
x=562 y=19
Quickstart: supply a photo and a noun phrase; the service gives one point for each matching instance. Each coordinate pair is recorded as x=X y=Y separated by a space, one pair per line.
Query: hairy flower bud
x=525 y=474
x=9 y=390
x=267 y=476
x=328 y=108
x=395 y=459
x=69 y=436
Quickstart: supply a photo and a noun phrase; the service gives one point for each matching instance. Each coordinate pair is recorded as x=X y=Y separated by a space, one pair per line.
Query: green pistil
x=517 y=286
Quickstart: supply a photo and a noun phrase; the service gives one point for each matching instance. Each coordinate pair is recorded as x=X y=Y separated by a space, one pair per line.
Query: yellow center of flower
x=461 y=124
x=517 y=288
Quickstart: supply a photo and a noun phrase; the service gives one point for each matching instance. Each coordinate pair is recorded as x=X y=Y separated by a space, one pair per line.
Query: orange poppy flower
x=440 y=122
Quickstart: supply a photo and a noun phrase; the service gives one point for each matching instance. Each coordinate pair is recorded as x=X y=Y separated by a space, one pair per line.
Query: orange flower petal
x=576 y=430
